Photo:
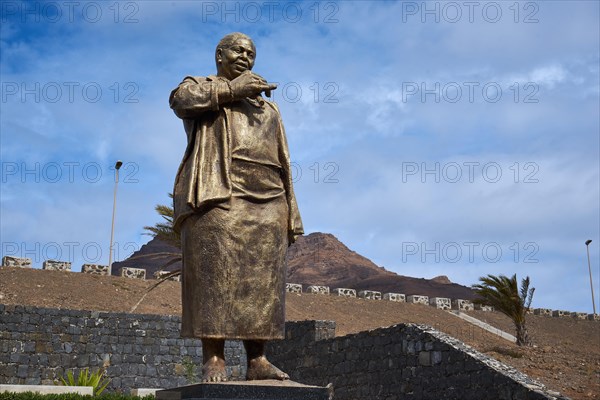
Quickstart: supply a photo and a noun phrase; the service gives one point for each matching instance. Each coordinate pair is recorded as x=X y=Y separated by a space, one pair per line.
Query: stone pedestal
x=247 y=390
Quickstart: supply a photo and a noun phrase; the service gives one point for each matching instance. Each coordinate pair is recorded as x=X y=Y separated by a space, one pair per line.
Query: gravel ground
x=566 y=355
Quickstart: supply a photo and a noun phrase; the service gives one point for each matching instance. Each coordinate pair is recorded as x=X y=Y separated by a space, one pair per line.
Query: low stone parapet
x=483 y=307
x=463 y=305
x=162 y=274
x=593 y=317
x=344 y=292
x=54 y=265
x=19 y=262
x=133 y=273
x=441 y=303
x=143 y=392
x=542 y=311
x=561 y=313
x=397 y=297
x=95 y=269
x=317 y=289
x=369 y=295
x=417 y=299
x=293 y=288
x=579 y=315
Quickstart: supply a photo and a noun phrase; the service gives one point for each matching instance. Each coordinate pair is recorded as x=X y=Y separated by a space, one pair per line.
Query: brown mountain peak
x=320 y=259
x=442 y=279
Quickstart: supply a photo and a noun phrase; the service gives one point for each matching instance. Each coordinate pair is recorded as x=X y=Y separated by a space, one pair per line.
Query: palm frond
x=165 y=231
x=504 y=294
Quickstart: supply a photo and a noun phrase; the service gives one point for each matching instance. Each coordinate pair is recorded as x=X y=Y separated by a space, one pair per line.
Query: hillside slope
x=319 y=259
x=566 y=359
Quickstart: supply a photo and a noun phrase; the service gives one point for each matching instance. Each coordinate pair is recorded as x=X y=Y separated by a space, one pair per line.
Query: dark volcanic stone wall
x=405 y=361
x=37 y=345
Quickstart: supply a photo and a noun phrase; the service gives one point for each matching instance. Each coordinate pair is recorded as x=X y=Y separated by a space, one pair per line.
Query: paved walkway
x=484 y=326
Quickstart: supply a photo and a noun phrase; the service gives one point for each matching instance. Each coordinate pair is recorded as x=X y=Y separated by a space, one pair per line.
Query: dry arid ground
x=566 y=356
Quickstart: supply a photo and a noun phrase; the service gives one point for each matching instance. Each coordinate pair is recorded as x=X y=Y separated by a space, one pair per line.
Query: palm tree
x=505 y=296
x=163 y=231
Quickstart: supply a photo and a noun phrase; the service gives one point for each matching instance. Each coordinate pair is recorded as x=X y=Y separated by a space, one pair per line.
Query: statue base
x=248 y=390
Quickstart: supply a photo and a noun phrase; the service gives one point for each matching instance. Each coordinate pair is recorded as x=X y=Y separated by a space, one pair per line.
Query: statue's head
x=235 y=54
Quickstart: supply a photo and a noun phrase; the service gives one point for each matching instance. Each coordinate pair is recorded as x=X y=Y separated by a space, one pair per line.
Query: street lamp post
x=112 y=228
x=587 y=245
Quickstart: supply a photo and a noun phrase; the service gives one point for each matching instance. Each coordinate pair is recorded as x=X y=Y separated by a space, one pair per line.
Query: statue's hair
x=229 y=39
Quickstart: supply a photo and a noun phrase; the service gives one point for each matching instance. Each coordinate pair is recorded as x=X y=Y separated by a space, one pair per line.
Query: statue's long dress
x=234 y=259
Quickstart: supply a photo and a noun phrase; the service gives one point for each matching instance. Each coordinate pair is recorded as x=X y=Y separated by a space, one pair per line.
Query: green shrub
x=96 y=379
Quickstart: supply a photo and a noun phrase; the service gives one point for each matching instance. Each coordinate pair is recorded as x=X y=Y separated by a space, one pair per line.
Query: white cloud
x=363 y=140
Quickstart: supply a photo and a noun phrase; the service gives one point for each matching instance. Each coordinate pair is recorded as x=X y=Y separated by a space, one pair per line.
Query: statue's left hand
x=250 y=84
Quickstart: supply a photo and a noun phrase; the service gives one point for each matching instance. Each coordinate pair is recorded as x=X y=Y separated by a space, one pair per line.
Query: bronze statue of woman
x=235 y=209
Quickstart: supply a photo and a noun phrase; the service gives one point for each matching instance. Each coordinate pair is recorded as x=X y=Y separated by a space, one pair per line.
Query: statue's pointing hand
x=249 y=84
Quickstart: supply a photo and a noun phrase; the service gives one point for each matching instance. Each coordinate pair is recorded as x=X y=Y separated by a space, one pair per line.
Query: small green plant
x=190 y=369
x=96 y=380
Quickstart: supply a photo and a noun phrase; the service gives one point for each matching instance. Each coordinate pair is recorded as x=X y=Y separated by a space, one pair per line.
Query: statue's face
x=236 y=59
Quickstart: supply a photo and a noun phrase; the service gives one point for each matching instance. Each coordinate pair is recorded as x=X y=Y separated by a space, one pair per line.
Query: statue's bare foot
x=214 y=370
x=260 y=368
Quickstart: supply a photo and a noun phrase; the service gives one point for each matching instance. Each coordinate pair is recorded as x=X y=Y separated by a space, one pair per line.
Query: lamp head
x=587 y=242
x=118 y=164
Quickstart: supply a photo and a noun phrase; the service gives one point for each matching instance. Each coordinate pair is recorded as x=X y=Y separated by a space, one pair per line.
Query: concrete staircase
x=484 y=326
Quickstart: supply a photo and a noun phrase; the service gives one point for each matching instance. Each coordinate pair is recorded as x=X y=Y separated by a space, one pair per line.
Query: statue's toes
x=282 y=376
x=213 y=379
x=212 y=376
x=265 y=370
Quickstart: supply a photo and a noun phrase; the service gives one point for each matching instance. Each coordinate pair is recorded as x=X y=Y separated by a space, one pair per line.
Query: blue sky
x=435 y=138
